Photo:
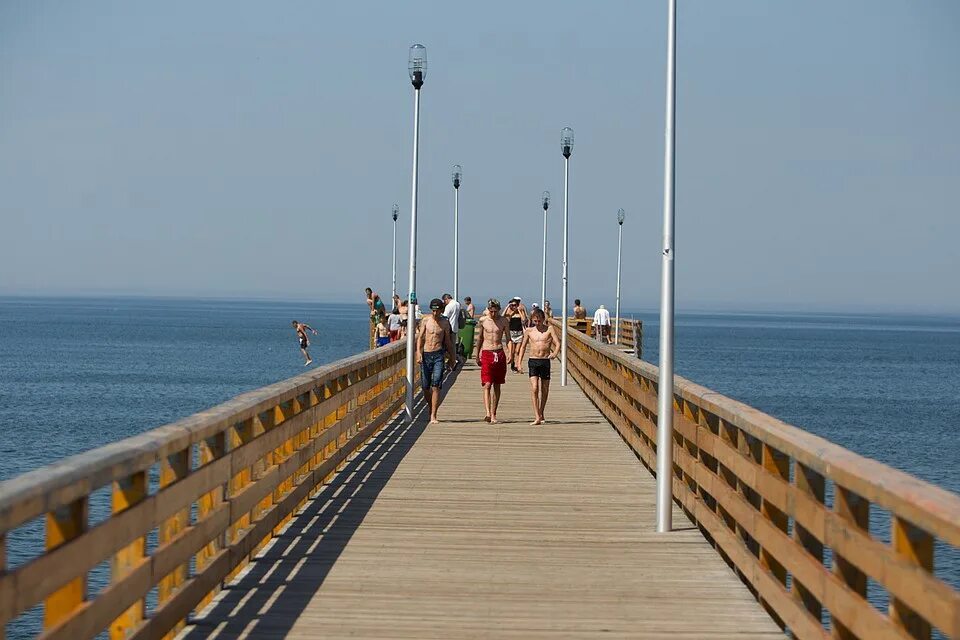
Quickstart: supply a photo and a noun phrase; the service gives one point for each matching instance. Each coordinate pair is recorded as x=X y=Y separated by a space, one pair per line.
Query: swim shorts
x=493 y=367
x=539 y=368
x=431 y=369
x=516 y=336
x=383 y=341
x=304 y=343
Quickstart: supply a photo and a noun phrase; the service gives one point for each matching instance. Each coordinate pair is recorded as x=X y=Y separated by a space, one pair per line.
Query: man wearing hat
x=490 y=357
x=434 y=340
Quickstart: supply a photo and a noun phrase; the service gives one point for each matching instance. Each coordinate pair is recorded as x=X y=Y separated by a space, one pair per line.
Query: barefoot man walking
x=490 y=357
x=434 y=340
x=544 y=345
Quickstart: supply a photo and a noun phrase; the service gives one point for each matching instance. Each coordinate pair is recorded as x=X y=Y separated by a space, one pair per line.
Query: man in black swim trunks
x=544 y=345
x=301 y=330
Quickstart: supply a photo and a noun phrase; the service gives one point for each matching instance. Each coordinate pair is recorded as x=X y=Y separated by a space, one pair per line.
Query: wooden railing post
x=855 y=511
x=127 y=493
x=173 y=468
x=778 y=464
x=813 y=485
x=63 y=525
x=916 y=546
x=211 y=449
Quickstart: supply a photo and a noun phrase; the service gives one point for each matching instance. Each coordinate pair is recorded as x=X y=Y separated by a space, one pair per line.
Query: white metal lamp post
x=621 y=214
x=665 y=385
x=457 y=175
x=396 y=212
x=566 y=146
x=417 y=66
x=543 y=280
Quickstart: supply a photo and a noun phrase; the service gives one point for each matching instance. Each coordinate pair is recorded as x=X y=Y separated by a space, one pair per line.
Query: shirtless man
x=490 y=357
x=579 y=312
x=544 y=345
x=434 y=339
x=516 y=315
x=471 y=310
x=301 y=330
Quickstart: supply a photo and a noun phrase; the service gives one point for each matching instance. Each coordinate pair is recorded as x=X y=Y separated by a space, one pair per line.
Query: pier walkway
x=466 y=529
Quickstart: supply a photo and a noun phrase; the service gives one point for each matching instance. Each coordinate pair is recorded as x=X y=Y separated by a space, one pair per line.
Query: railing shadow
x=276 y=588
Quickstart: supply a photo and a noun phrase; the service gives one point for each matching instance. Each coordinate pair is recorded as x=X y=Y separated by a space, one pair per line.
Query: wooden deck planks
x=466 y=529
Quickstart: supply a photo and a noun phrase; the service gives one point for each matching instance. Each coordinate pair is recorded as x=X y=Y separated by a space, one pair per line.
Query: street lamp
x=457 y=175
x=543 y=279
x=621 y=214
x=417 y=66
x=665 y=386
x=566 y=147
x=396 y=212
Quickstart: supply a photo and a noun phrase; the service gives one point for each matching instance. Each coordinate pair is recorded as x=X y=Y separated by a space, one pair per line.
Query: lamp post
x=396 y=212
x=417 y=67
x=457 y=175
x=665 y=387
x=566 y=146
x=543 y=279
x=621 y=214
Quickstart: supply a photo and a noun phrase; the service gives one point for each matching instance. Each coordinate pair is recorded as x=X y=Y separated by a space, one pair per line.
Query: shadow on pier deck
x=466 y=529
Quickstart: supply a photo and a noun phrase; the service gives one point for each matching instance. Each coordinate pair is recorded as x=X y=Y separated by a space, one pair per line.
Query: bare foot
x=493 y=421
x=434 y=421
x=536 y=422
x=486 y=418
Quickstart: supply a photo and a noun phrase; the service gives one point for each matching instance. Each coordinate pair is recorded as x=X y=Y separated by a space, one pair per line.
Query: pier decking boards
x=465 y=529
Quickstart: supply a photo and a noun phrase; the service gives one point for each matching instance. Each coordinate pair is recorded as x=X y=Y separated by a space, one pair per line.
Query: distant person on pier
x=452 y=311
x=544 y=345
x=434 y=341
x=601 y=324
x=404 y=320
x=471 y=310
x=490 y=357
x=394 y=321
x=375 y=304
x=383 y=331
x=301 y=330
x=516 y=315
x=548 y=310
x=579 y=313
x=530 y=321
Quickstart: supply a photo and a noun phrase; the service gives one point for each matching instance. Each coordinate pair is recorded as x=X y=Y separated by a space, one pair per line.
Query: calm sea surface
x=79 y=373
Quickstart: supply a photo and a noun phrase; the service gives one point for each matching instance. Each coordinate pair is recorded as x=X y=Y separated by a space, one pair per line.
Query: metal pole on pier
x=543 y=278
x=457 y=176
x=566 y=146
x=621 y=214
x=396 y=212
x=665 y=385
x=417 y=66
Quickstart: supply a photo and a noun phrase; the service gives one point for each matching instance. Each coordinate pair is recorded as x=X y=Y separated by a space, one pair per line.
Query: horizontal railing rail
x=631 y=331
x=788 y=510
x=228 y=479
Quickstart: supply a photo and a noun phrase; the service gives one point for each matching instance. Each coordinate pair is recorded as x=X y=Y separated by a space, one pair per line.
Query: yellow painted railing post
x=211 y=449
x=128 y=492
x=916 y=546
x=63 y=525
x=173 y=468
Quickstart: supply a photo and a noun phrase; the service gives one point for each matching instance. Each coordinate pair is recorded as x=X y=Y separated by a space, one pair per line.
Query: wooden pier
x=311 y=508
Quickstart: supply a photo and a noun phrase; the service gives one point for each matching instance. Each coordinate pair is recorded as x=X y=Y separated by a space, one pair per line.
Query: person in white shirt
x=601 y=324
x=452 y=313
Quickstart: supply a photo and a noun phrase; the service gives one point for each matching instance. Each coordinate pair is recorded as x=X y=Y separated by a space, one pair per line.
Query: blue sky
x=255 y=149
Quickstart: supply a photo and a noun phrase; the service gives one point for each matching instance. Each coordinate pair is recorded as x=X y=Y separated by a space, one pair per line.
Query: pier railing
x=790 y=511
x=631 y=331
x=228 y=479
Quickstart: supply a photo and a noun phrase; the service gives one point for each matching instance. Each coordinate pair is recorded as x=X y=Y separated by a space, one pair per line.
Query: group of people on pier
x=528 y=335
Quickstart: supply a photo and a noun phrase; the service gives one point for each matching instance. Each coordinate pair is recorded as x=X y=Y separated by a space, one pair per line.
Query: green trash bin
x=466 y=337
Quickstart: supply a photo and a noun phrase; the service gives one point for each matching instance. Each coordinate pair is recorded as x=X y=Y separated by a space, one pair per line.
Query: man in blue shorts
x=434 y=341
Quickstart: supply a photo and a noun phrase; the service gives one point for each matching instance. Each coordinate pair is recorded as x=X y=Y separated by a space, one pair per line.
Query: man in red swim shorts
x=490 y=357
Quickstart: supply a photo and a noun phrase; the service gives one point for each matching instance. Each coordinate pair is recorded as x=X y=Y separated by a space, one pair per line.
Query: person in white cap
x=601 y=324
